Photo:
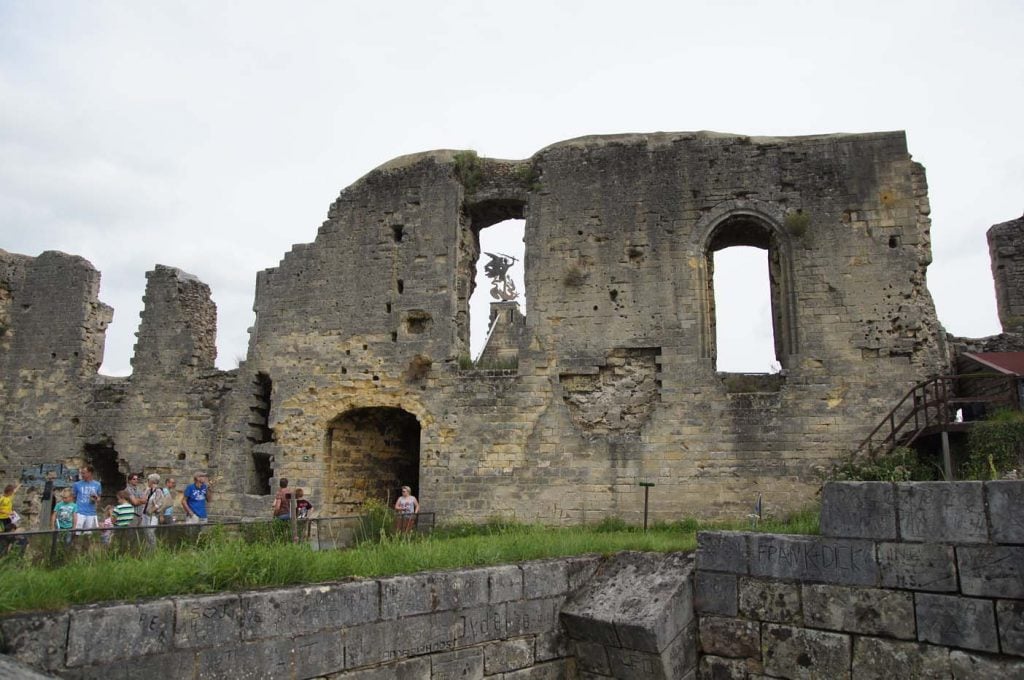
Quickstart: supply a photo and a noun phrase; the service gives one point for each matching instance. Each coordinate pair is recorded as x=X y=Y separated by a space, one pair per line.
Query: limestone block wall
x=52 y=327
x=1007 y=256
x=907 y=580
x=497 y=622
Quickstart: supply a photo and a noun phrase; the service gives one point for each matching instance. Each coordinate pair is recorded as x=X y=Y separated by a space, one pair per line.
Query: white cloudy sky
x=211 y=136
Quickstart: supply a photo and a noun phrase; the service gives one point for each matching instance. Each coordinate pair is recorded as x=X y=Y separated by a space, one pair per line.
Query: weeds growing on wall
x=995 y=446
x=468 y=170
x=901 y=465
x=797 y=223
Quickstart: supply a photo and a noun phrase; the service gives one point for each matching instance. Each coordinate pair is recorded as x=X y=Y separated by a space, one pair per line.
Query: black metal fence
x=53 y=548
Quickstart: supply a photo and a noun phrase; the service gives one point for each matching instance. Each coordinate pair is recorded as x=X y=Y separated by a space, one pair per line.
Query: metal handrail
x=929 y=404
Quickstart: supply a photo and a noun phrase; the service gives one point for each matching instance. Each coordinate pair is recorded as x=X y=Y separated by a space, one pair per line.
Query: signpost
x=647 y=491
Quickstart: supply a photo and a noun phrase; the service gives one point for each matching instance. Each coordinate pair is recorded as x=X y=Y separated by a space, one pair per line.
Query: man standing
x=87 y=495
x=137 y=497
x=193 y=501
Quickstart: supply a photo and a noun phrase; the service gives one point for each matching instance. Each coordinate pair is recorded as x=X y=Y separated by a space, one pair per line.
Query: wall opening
x=749 y=308
x=504 y=240
x=107 y=471
x=744 y=337
x=372 y=452
x=260 y=461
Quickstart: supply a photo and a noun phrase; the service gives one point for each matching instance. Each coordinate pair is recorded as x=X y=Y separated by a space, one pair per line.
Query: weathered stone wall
x=497 y=622
x=616 y=378
x=907 y=581
x=1006 y=252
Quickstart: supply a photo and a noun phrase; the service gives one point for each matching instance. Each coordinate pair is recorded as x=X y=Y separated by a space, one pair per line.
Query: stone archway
x=372 y=452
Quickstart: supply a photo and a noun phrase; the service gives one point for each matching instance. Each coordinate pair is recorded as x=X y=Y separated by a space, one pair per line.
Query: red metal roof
x=1010 y=363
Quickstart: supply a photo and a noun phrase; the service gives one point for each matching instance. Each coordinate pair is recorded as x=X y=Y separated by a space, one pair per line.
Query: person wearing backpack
x=153 y=508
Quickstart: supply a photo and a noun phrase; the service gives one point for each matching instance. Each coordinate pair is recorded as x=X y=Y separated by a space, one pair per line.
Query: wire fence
x=53 y=548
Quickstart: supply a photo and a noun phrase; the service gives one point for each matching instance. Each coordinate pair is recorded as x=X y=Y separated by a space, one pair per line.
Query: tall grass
x=232 y=563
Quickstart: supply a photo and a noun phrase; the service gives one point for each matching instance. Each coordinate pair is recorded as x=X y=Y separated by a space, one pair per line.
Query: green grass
x=231 y=564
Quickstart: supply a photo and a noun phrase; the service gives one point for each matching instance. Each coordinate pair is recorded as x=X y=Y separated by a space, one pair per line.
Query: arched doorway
x=372 y=452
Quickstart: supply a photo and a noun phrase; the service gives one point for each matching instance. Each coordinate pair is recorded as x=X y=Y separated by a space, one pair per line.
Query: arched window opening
x=745 y=342
x=497 y=304
x=749 y=307
x=372 y=453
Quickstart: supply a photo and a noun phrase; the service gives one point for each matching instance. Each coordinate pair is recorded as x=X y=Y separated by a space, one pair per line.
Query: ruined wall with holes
x=615 y=378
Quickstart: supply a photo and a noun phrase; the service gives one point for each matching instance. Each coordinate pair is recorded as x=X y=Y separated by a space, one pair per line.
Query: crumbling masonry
x=352 y=384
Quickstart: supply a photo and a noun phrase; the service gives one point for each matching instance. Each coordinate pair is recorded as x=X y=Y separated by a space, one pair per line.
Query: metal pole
x=947 y=462
x=647 y=489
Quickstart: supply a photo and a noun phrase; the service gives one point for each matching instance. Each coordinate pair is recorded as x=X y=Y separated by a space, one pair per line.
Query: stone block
x=173 y=666
x=385 y=641
x=723 y=551
x=868 y=611
x=859 y=510
x=878 y=659
x=638 y=600
x=580 y=570
x=531 y=617
x=718 y=668
x=466 y=664
x=409 y=669
x=676 y=661
x=956 y=621
x=715 y=593
x=207 y=621
x=592 y=657
x=308 y=610
x=1010 y=617
x=545 y=578
x=792 y=652
x=991 y=570
x=126 y=631
x=552 y=670
x=246 y=661
x=801 y=558
x=508 y=655
x=439 y=591
x=506 y=583
x=764 y=600
x=553 y=645
x=36 y=640
x=950 y=512
x=1006 y=521
x=730 y=637
x=966 y=666
x=917 y=566
x=319 y=654
x=16 y=670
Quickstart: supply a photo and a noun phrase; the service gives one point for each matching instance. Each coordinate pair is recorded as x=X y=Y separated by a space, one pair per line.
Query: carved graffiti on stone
x=502 y=286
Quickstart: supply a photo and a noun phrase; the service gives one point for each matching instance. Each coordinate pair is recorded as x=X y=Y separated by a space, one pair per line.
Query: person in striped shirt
x=124 y=511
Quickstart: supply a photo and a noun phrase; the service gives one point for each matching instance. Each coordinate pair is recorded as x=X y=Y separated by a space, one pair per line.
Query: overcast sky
x=211 y=136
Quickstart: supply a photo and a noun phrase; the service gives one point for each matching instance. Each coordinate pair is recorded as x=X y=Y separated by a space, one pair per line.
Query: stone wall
x=616 y=379
x=497 y=622
x=907 y=581
x=1006 y=252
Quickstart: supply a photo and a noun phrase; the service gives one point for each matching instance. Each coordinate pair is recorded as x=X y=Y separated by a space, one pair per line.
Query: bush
x=797 y=223
x=375 y=524
x=994 y=446
x=901 y=465
x=468 y=170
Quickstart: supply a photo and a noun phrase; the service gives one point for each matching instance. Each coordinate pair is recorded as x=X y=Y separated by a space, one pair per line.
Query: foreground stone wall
x=906 y=581
x=498 y=622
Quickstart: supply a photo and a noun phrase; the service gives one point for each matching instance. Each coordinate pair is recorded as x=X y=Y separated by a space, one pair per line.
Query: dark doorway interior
x=373 y=452
x=107 y=471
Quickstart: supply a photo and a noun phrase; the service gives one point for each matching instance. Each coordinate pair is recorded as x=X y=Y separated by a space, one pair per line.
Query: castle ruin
x=353 y=384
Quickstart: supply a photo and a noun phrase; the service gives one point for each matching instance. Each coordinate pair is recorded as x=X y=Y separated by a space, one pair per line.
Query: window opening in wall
x=499 y=275
x=261 y=469
x=106 y=470
x=745 y=341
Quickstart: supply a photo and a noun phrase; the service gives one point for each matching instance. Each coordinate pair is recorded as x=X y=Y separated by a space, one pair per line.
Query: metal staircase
x=944 y=404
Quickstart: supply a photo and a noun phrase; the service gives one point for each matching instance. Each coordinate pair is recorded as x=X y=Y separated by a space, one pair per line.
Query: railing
x=938 y=404
x=53 y=548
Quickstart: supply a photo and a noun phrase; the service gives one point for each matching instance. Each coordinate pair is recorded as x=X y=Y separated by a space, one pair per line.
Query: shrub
x=468 y=170
x=901 y=465
x=797 y=223
x=994 y=446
